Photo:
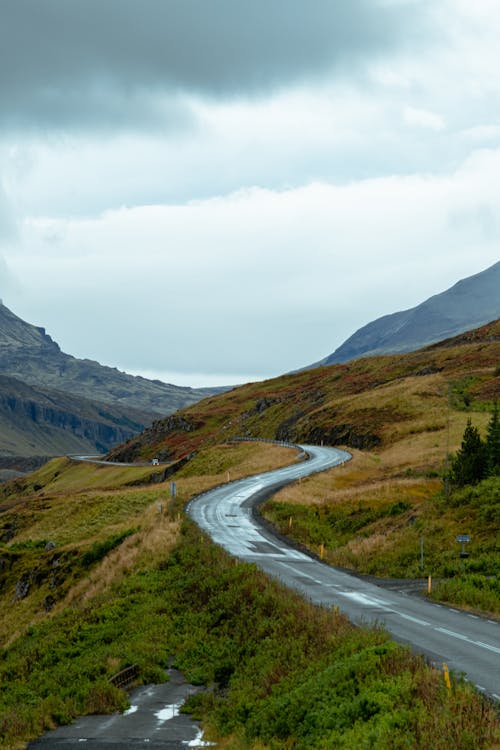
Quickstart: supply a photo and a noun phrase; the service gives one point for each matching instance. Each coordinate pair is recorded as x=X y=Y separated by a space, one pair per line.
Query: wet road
x=466 y=643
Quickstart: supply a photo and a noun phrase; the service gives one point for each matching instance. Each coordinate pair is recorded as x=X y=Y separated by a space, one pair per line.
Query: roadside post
x=446 y=675
x=463 y=539
x=173 y=495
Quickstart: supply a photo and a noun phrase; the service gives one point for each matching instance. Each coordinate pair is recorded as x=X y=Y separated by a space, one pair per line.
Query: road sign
x=463 y=538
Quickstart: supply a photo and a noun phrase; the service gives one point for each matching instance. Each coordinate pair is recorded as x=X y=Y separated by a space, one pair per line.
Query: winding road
x=468 y=644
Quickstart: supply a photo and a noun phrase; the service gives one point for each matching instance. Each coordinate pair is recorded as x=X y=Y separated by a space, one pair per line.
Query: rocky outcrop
x=159 y=431
x=344 y=434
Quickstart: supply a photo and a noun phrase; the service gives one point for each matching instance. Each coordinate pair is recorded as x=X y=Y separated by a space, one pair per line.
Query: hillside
x=470 y=303
x=400 y=416
x=27 y=351
x=365 y=404
x=94 y=579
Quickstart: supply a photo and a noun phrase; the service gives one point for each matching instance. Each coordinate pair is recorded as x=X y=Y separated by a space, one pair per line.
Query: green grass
x=130 y=588
x=282 y=673
x=373 y=533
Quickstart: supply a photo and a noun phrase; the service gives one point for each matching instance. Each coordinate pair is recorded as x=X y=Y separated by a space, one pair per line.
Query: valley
x=86 y=548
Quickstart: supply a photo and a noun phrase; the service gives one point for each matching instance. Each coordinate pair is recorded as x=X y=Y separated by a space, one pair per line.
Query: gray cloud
x=91 y=62
x=7 y=221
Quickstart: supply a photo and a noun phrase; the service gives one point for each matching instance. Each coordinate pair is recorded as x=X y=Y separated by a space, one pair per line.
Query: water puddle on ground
x=198 y=741
x=154 y=716
x=169 y=712
x=130 y=710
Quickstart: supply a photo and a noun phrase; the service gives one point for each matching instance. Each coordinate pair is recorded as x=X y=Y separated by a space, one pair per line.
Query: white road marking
x=488 y=646
x=463 y=637
x=370 y=601
x=413 y=619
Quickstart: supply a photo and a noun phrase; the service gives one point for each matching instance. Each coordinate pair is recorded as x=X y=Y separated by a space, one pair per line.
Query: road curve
x=468 y=644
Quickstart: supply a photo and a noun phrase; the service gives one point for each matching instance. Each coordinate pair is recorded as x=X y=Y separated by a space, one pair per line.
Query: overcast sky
x=215 y=191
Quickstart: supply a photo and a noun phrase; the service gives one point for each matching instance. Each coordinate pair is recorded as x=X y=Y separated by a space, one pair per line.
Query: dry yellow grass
x=148 y=546
x=74 y=517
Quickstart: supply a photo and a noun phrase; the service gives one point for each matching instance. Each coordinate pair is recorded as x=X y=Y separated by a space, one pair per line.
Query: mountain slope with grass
x=402 y=417
x=470 y=303
x=95 y=575
x=368 y=404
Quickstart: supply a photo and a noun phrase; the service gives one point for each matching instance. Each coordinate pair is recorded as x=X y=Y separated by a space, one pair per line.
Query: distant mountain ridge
x=52 y=403
x=27 y=352
x=470 y=303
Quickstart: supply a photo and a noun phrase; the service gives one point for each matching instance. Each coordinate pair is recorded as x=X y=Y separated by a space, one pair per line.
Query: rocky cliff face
x=43 y=422
x=470 y=303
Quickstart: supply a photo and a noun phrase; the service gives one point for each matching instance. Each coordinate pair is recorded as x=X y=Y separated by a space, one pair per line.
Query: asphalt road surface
x=467 y=643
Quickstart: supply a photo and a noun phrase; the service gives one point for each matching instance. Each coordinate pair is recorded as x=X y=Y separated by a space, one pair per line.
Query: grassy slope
x=368 y=403
x=79 y=507
x=127 y=585
x=406 y=412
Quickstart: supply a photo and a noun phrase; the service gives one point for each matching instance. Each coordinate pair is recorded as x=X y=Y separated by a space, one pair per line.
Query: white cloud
x=258 y=281
x=423 y=118
x=257 y=234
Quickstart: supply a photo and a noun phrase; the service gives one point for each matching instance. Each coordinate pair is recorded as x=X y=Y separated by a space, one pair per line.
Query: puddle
x=198 y=741
x=149 y=718
x=169 y=712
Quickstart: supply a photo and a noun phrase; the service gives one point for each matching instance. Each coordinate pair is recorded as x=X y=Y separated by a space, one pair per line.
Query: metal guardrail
x=282 y=443
x=126 y=677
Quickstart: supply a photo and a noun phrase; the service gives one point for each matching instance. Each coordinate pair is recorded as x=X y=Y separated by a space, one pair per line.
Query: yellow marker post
x=446 y=675
x=321 y=551
x=290 y=522
x=429 y=584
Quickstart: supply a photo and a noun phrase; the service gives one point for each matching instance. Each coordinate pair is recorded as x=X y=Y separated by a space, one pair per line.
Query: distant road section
x=99 y=460
x=466 y=643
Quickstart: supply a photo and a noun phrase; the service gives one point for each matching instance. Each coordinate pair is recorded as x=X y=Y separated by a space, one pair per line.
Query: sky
x=213 y=192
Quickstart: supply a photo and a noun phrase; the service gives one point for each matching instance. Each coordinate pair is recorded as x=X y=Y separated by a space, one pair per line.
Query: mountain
x=27 y=352
x=470 y=303
x=52 y=403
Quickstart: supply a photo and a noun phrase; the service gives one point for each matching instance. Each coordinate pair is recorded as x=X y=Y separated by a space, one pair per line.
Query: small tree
x=493 y=445
x=469 y=464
